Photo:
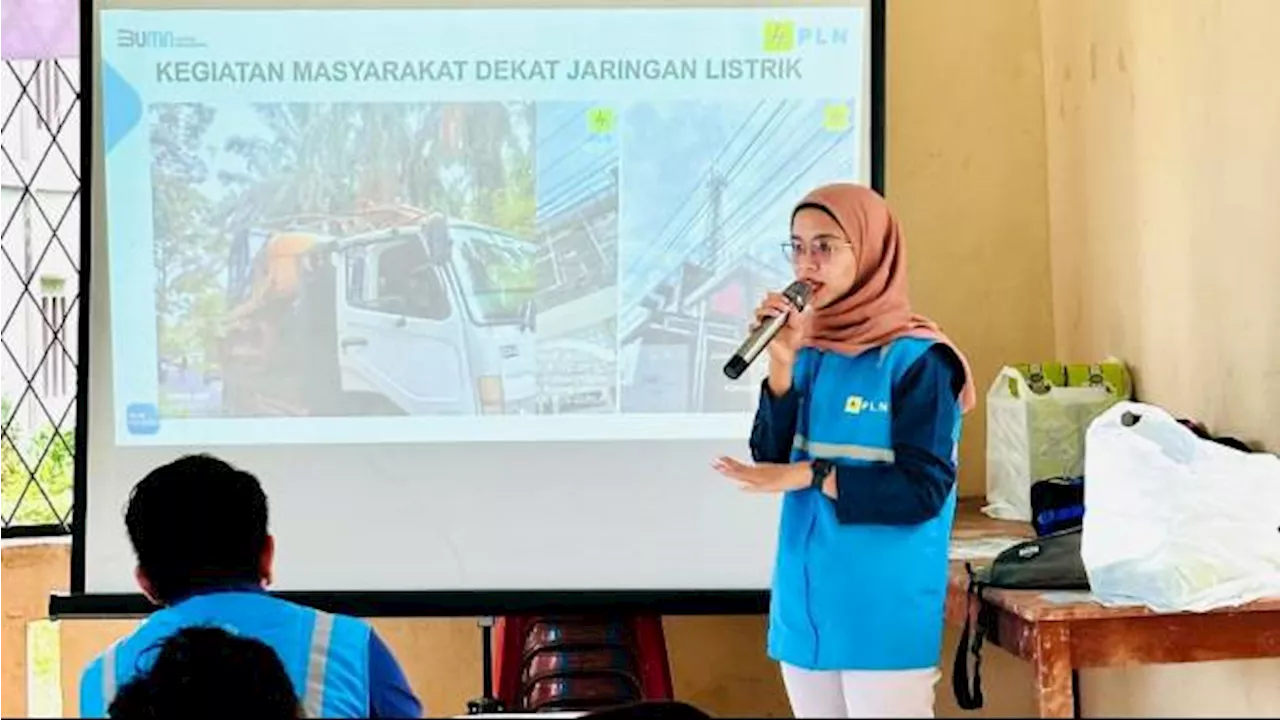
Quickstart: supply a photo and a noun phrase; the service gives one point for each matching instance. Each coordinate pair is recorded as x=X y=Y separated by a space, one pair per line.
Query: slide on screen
x=456 y=281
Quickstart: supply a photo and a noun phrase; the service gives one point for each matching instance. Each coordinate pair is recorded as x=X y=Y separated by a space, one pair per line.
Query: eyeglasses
x=819 y=250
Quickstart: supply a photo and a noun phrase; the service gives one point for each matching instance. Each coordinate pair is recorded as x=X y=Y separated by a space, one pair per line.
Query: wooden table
x=1059 y=632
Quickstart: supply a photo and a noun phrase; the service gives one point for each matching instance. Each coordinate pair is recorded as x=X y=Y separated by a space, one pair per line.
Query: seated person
x=206 y=672
x=199 y=530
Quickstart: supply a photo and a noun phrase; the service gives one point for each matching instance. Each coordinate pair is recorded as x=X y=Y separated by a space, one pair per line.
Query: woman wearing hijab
x=858 y=425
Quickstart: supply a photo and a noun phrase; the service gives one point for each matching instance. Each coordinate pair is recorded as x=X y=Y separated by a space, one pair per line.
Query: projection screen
x=456 y=284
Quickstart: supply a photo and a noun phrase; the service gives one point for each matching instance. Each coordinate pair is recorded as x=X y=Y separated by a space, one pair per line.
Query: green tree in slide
x=471 y=161
x=190 y=252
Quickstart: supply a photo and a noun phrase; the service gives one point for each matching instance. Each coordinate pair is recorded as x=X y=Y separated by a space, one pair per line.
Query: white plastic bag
x=1175 y=522
x=1037 y=416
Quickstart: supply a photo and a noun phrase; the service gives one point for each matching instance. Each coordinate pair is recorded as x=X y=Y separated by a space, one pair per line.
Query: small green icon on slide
x=601 y=120
x=835 y=117
x=779 y=36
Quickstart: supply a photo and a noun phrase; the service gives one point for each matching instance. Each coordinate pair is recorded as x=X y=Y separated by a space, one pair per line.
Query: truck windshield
x=497 y=273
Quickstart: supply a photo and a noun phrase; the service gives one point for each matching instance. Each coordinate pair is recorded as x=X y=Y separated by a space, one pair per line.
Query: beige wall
x=1163 y=142
x=966 y=173
x=1164 y=156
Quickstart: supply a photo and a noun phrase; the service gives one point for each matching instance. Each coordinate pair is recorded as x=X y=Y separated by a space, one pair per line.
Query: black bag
x=1057 y=504
x=1051 y=562
x=1203 y=433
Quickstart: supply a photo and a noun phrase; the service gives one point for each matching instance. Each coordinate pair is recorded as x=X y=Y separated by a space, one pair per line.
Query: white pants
x=860 y=693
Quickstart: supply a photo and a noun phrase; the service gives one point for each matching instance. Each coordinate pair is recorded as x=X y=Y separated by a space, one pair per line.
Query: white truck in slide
x=438 y=319
x=431 y=318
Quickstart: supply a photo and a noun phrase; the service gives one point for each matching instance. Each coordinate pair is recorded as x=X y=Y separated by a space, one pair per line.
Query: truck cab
x=436 y=319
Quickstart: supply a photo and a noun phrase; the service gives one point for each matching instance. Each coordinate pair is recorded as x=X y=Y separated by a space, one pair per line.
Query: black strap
x=968 y=688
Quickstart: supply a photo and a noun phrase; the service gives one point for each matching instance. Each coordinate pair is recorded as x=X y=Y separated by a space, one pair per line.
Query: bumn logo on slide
x=155 y=39
x=783 y=36
x=142 y=419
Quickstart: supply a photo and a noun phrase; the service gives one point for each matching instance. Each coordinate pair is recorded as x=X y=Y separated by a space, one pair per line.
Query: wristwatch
x=821 y=469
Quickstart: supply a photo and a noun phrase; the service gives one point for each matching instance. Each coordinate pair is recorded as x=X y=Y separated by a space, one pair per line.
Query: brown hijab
x=876 y=310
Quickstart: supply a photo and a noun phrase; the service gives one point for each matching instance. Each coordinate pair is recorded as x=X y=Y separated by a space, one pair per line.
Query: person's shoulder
x=91 y=669
x=349 y=627
x=390 y=695
x=89 y=691
x=357 y=626
x=120 y=645
x=943 y=357
x=92 y=687
x=934 y=364
x=378 y=648
x=903 y=353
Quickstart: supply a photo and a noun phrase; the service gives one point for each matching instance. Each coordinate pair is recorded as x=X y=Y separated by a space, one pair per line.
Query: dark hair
x=197 y=523
x=816 y=206
x=206 y=672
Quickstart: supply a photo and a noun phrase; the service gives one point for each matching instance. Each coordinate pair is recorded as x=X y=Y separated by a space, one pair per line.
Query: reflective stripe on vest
x=109 y=676
x=832 y=451
x=317 y=661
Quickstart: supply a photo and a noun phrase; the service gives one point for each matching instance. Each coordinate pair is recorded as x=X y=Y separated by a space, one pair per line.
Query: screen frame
x=79 y=604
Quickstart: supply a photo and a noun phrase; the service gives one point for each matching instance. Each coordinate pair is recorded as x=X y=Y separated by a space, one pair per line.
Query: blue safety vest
x=855 y=597
x=326 y=656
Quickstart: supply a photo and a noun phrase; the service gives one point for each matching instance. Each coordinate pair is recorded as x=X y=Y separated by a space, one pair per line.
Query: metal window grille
x=40 y=149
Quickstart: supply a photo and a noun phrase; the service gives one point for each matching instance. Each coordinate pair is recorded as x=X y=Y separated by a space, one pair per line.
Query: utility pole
x=714 y=244
x=715 y=221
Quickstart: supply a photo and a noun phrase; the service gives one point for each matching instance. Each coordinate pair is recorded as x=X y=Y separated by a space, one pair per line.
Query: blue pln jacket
x=860 y=583
x=326 y=656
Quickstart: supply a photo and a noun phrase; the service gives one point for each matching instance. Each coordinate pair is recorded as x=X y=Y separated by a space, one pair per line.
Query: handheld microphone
x=798 y=293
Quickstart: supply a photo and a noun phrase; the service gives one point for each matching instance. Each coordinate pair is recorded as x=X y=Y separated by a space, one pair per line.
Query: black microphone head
x=798 y=293
x=735 y=367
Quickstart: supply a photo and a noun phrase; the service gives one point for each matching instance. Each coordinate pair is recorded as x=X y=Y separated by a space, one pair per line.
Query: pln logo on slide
x=783 y=36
